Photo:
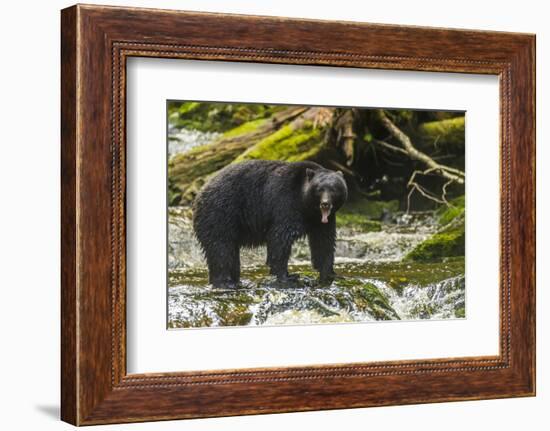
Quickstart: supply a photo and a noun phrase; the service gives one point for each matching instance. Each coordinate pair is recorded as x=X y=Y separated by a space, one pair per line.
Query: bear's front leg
x=322 y=241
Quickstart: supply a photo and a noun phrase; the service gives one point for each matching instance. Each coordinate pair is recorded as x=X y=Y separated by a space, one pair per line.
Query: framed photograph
x=259 y=216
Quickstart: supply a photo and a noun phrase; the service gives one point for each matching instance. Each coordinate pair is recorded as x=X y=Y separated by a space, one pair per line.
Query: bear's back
x=244 y=199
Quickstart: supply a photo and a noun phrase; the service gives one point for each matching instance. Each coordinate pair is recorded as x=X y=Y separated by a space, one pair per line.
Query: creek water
x=182 y=140
x=374 y=282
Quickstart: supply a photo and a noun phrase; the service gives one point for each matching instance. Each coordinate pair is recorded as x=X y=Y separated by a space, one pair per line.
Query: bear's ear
x=310 y=173
x=340 y=173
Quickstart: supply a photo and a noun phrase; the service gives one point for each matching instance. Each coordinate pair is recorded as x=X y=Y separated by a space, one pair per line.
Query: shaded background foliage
x=353 y=140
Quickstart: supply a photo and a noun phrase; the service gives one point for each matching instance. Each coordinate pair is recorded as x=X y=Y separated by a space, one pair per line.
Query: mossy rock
x=370 y=298
x=347 y=299
x=197 y=320
x=400 y=274
x=367 y=297
x=290 y=143
x=448 y=242
x=446 y=214
x=234 y=313
x=364 y=215
x=357 y=222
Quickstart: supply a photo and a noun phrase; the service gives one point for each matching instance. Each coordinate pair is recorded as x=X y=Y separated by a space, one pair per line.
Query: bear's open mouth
x=325 y=212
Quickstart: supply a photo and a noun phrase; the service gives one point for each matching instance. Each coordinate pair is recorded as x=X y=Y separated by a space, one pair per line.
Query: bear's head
x=325 y=192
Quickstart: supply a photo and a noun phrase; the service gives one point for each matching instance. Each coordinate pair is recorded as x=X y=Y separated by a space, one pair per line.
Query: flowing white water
x=389 y=245
x=376 y=284
x=182 y=140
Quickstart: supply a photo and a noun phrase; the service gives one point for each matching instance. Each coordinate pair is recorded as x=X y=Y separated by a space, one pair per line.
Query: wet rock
x=361 y=293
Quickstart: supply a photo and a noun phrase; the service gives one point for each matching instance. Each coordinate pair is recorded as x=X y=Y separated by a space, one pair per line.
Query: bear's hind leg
x=223 y=265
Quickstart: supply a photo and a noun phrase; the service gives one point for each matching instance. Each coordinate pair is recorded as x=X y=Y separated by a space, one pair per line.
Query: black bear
x=268 y=202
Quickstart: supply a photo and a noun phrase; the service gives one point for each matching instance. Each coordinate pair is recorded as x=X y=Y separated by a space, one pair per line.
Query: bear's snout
x=326 y=207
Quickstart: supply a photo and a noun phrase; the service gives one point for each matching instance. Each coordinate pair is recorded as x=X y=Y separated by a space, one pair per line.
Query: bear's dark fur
x=268 y=202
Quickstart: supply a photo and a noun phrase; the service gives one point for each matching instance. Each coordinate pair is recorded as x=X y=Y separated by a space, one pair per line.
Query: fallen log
x=188 y=172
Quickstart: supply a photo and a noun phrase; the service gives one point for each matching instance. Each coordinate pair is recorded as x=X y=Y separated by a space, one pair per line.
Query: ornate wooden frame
x=95 y=43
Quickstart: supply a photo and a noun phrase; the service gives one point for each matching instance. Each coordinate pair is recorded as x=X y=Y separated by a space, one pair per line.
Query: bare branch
x=391 y=147
x=444 y=196
x=342 y=168
x=446 y=171
x=415 y=186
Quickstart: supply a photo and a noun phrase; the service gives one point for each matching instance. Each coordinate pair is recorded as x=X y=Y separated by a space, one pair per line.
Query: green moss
x=400 y=274
x=366 y=297
x=449 y=214
x=174 y=193
x=422 y=311
x=370 y=209
x=449 y=242
x=358 y=222
x=249 y=126
x=196 y=320
x=364 y=214
x=446 y=214
x=206 y=117
x=460 y=312
x=444 y=115
x=184 y=168
x=448 y=132
x=369 y=297
x=188 y=107
x=216 y=117
x=238 y=315
x=288 y=144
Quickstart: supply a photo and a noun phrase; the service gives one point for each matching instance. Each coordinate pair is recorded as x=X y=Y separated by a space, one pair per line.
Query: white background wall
x=29 y=216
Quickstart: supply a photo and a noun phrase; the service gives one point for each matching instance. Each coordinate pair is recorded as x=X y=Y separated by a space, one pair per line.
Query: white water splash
x=183 y=140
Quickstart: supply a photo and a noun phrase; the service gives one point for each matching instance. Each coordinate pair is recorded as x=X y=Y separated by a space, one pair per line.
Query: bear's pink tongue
x=324 y=215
